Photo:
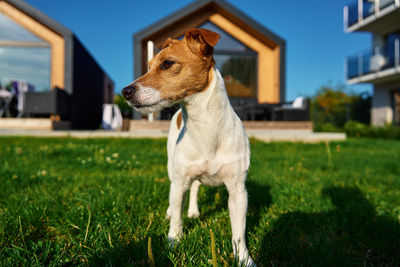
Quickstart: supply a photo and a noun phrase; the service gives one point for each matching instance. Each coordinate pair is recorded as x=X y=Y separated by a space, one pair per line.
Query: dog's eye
x=166 y=64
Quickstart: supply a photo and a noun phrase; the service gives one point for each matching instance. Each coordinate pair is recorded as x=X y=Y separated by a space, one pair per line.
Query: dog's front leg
x=237 y=204
x=176 y=197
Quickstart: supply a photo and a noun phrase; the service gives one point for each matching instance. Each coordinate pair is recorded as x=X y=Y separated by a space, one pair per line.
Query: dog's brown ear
x=168 y=42
x=201 y=41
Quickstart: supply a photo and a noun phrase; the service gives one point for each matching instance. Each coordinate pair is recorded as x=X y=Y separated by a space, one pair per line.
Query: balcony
x=371 y=15
x=381 y=63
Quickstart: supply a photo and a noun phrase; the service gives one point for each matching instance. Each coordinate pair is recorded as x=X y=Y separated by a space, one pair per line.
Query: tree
x=337 y=105
x=126 y=110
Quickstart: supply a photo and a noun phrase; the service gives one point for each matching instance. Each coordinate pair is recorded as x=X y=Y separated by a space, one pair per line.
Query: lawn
x=103 y=202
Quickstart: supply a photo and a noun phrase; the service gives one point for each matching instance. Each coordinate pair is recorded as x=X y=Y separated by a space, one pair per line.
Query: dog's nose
x=128 y=92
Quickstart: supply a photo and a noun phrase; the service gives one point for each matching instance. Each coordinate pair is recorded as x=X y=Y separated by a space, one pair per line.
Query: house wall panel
x=88 y=95
x=268 y=60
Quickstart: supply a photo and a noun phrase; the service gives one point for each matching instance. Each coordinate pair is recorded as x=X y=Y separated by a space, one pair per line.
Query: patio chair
x=5 y=100
x=298 y=110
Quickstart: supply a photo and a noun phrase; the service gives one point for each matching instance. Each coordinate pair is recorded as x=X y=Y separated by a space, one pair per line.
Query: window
x=239 y=72
x=385 y=3
x=23 y=56
x=368 y=8
x=237 y=64
x=389 y=50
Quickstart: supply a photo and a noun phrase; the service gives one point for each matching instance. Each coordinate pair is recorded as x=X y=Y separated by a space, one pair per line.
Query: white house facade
x=379 y=64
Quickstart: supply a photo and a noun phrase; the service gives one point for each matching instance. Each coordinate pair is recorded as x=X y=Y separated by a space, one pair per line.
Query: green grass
x=103 y=202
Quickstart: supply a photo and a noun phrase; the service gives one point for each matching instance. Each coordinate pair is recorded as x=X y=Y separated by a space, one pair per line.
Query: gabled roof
x=55 y=27
x=40 y=17
x=220 y=6
x=197 y=13
x=70 y=38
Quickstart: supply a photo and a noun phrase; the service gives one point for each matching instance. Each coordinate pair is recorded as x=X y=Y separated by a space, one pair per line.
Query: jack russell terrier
x=207 y=143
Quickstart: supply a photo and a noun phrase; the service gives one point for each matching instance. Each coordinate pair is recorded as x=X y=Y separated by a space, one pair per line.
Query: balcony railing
x=374 y=60
x=358 y=10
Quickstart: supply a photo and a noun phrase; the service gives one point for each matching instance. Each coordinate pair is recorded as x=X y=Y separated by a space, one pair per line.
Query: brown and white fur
x=207 y=143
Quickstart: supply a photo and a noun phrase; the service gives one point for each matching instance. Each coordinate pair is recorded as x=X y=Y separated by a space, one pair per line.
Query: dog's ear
x=168 y=42
x=201 y=41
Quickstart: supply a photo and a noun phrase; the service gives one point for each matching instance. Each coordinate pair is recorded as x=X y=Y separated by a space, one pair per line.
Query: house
x=47 y=62
x=251 y=58
x=378 y=64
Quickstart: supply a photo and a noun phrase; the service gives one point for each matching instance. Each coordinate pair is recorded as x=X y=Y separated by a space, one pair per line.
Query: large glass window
x=390 y=47
x=368 y=8
x=237 y=64
x=239 y=72
x=24 y=57
x=26 y=64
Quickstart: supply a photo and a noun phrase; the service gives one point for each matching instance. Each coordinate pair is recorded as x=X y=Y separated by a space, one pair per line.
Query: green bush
x=358 y=129
x=326 y=127
x=388 y=132
x=120 y=101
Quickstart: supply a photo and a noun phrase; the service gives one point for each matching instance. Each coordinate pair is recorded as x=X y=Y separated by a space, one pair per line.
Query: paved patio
x=263 y=130
x=261 y=134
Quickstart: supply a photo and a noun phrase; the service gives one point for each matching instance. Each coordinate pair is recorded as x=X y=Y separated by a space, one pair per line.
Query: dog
x=207 y=143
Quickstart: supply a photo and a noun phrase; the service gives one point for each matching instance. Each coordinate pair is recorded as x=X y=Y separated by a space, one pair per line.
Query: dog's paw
x=174 y=236
x=172 y=242
x=247 y=262
x=193 y=213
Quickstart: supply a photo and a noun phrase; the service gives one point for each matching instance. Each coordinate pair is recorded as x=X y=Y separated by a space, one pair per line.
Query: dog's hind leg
x=193 y=211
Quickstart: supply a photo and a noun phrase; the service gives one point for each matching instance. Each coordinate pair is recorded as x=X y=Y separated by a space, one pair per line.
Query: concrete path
x=261 y=134
x=306 y=136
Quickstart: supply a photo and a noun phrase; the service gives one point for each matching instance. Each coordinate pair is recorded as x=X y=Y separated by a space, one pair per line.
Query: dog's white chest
x=206 y=172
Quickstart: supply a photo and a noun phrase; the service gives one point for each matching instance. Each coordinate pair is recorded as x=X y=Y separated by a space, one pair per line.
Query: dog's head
x=182 y=68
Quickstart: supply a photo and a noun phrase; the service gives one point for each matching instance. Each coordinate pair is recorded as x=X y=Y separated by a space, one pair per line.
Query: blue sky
x=313 y=30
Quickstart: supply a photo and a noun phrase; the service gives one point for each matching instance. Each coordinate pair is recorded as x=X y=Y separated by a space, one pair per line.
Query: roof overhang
x=209 y=6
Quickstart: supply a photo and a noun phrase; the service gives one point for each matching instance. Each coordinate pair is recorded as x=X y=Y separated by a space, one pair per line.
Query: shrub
x=387 y=132
x=335 y=105
x=120 y=101
x=326 y=127
x=358 y=129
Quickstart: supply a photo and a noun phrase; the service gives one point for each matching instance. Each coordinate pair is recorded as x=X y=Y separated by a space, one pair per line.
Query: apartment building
x=380 y=63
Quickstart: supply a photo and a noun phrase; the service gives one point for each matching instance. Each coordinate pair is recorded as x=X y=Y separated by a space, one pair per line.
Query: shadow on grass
x=351 y=234
x=259 y=199
x=133 y=254
x=216 y=200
